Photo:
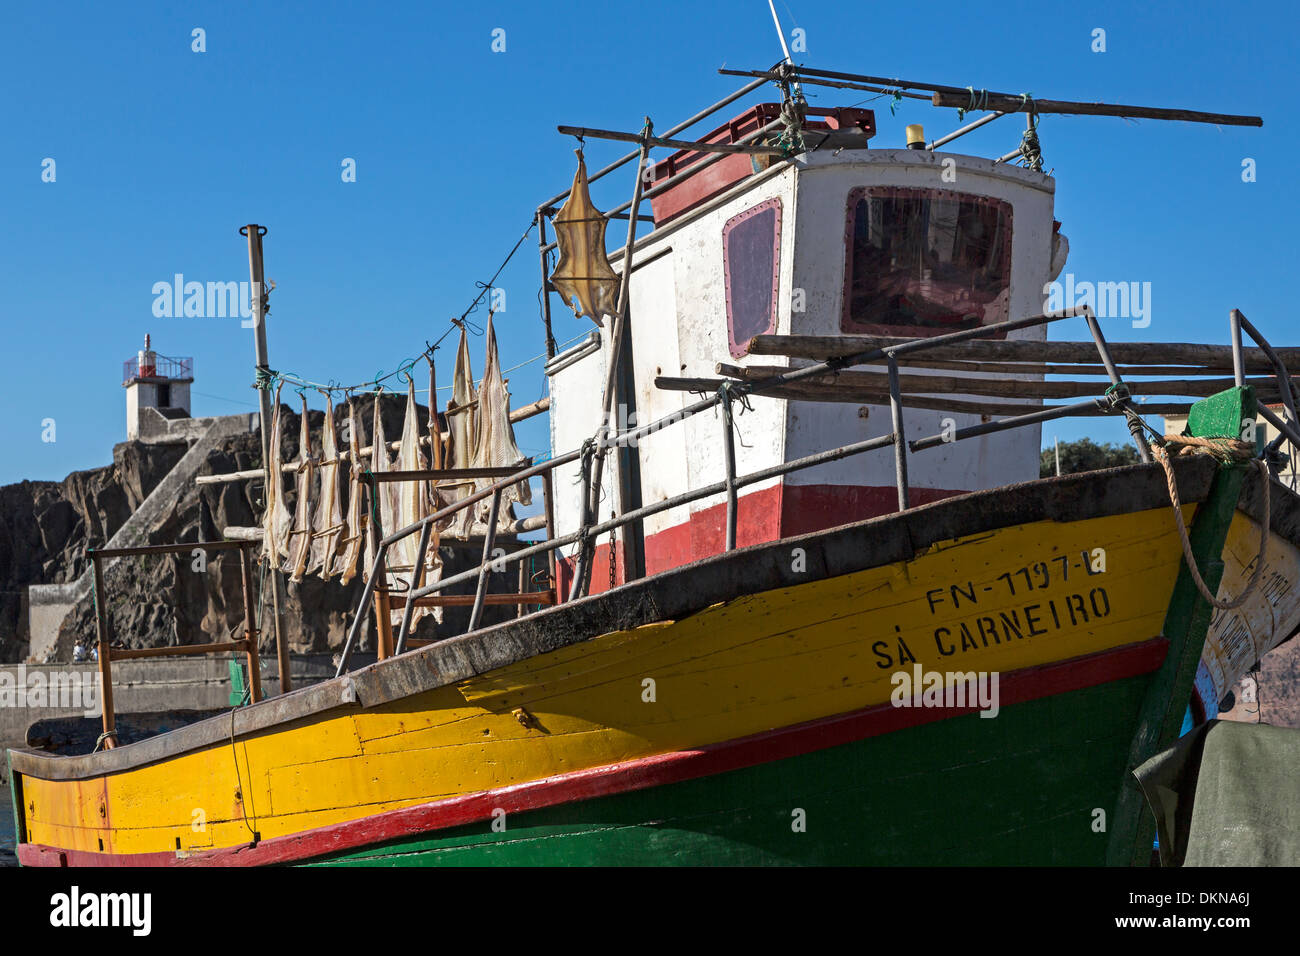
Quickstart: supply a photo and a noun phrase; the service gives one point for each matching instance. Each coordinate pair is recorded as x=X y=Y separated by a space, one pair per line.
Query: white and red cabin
x=896 y=242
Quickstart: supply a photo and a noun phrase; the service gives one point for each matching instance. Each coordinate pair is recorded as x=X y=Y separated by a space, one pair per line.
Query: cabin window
x=921 y=262
x=751 y=245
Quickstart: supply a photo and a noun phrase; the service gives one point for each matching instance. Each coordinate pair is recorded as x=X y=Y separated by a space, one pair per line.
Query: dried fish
x=327 y=524
x=462 y=418
x=351 y=536
x=277 y=519
x=496 y=446
x=299 y=538
x=410 y=506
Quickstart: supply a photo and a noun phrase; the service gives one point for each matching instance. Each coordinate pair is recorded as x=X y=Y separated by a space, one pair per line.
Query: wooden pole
x=257 y=276
x=1131 y=353
x=1012 y=103
x=252 y=633
x=856 y=395
x=105 y=654
x=878 y=383
x=670 y=143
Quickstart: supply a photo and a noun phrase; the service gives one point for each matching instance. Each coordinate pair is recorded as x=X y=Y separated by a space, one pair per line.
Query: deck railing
x=1115 y=400
x=1286 y=430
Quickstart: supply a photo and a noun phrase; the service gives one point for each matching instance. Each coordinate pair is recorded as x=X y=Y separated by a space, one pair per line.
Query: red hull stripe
x=1014 y=688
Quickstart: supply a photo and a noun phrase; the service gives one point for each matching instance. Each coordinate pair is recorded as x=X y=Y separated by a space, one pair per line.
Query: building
x=157 y=390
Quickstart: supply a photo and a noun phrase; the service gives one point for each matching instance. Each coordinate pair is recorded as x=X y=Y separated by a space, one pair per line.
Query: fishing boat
x=806 y=598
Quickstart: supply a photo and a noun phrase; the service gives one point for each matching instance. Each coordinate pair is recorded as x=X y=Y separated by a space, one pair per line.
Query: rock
x=196 y=596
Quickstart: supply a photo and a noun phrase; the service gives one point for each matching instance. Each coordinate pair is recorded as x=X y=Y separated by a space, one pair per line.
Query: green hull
x=1023 y=788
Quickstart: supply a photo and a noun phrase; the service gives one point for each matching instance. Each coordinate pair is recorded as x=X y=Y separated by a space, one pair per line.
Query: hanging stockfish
x=583 y=276
x=382 y=506
x=277 y=519
x=299 y=539
x=410 y=506
x=327 y=525
x=351 y=535
x=462 y=420
x=496 y=446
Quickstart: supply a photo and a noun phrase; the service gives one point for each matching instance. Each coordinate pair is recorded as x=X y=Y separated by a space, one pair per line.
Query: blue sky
x=162 y=153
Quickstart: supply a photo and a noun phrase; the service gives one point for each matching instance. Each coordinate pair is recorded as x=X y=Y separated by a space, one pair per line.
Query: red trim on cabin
x=768 y=514
x=1016 y=687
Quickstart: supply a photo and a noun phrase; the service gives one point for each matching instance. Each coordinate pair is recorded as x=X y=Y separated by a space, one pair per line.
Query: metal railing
x=161 y=367
x=1288 y=431
x=104 y=630
x=1115 y=400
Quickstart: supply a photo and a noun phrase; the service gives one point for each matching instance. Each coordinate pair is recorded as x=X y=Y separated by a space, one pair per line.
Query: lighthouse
x=156 y=387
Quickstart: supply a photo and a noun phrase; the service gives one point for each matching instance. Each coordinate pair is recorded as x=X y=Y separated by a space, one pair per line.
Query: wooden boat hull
x=729 y=695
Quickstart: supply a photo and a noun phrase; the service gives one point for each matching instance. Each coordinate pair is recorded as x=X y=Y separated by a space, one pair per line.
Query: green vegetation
x=1086 y=455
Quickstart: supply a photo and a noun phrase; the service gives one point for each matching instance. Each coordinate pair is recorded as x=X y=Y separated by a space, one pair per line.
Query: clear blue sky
x=162 y=153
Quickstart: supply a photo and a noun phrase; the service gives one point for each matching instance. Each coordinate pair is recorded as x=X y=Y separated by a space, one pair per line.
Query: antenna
x=796 y=85
x=779 y=32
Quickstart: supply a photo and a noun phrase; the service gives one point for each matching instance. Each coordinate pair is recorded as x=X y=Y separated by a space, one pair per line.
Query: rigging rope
x=1226 y=450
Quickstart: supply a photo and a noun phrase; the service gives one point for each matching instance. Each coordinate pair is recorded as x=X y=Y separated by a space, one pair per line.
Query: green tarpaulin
x=1227 y=794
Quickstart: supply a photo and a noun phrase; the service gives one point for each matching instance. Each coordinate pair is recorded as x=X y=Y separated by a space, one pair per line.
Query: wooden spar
x=963 y=98
x=1047 y=368
x=993 y=387
x=776 y=75
x=515 y=526
x=179 y=650
x=670 y=143
x=1013 y=103
x=1139 y=353
x=858 y=395
x=467 y=600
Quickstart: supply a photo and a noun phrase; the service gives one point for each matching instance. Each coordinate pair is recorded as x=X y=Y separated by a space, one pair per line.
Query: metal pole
x=105 y=657
x=1134 y=427
x=900 y=439
x=609 y=397
x=1238 y=361
x=684 y=124
x=583 y=553
x=409 y=610
x=988 y=118
x=1018 y=421
x=548 y=495
x=485 y=566
x=257 y=276
x=354 y=632
x=546 y=285
x=646 y=511
x=729 y=457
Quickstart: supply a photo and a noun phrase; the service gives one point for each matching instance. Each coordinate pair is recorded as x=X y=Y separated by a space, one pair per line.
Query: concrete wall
x=149 y=686
x=50 y=604
x=141 y=397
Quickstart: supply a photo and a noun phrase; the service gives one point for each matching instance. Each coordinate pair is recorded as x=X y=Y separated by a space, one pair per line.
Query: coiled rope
x=1226 y=450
